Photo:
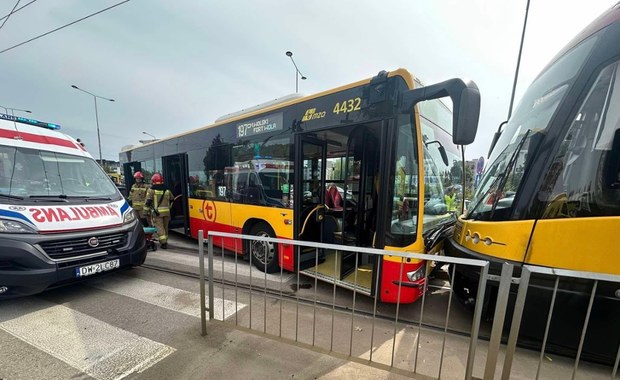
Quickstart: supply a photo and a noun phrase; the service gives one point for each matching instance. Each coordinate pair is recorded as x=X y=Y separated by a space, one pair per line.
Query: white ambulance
x=61 y=217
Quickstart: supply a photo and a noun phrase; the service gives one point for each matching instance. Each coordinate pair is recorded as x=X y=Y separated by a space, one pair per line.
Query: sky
x=174 y=66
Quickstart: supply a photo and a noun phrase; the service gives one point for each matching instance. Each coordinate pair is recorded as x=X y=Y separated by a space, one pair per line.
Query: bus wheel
x=264 y=255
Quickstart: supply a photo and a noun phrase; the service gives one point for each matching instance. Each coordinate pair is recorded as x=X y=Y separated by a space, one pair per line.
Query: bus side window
x=240 y=187
x=253 y=190
x=581 y=180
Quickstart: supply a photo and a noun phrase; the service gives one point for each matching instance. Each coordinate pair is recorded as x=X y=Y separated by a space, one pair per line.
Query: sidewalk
x=233 y=353
x=261 y=345
x=236 y=352
x=253 y=354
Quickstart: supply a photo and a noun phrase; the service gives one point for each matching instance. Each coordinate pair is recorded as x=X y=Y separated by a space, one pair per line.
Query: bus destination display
x=259 y=126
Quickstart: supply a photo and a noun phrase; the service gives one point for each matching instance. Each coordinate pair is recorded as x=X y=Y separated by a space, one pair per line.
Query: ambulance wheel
x=264 y=255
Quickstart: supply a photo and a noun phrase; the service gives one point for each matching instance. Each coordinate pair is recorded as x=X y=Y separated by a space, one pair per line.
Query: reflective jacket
x=137 y=195
x=159 y=198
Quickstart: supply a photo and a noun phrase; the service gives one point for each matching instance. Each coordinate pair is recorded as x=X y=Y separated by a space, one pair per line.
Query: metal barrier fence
x=326 y=336
x=392 y=339
x=557 y=275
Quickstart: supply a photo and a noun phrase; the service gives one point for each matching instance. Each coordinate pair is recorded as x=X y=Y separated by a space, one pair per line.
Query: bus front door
x=309 y=199
x=359 y=206
x=335 y=202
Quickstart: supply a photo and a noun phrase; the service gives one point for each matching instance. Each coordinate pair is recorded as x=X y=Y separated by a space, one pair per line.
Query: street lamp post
x=96 y=117
x=148 y=134
x=6 y=110
x=297 y=72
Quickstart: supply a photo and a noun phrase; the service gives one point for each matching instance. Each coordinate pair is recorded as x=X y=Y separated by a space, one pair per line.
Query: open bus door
x=309 y=201
x=336 y=202
x=175 y=176
x=129 y=170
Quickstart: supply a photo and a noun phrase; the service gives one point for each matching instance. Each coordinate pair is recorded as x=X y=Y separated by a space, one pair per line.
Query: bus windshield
x=443 y=190
x=523 y=133
x=28 y=173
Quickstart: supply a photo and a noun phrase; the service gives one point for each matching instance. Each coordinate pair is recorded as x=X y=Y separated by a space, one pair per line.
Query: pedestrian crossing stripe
x=87 y=344
x=164 y=296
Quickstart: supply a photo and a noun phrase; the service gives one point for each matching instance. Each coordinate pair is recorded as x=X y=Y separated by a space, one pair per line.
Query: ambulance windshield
x=28 y=173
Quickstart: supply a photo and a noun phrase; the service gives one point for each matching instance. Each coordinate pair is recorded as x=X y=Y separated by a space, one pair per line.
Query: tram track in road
x=293 y=297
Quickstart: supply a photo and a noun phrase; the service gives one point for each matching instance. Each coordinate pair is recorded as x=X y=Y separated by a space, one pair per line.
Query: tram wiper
x=509 y=167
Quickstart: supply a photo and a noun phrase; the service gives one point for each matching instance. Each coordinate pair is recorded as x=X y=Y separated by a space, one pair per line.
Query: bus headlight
x=418 y=274
x=129 y=217
x=14 y=227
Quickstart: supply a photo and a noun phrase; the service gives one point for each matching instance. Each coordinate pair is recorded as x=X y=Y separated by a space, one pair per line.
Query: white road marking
x=94 y=347
x=163 y=296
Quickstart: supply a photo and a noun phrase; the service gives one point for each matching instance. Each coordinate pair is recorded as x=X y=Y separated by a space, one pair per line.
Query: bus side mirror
x=465 y=103
x=442 y=151
x=496 y=137
x=444 y=155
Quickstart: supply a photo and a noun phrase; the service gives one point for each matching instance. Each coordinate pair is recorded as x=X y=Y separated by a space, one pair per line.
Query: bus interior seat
x=332 y=229
x=333 y=199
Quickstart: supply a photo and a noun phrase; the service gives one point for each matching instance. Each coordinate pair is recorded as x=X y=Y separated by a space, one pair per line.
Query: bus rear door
x=175 y=175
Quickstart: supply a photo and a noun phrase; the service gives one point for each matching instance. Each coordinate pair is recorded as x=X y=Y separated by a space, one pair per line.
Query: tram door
x=335 y=200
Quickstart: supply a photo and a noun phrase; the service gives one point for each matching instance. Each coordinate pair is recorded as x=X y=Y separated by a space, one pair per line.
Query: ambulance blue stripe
x=124 y=207
x=15 y=215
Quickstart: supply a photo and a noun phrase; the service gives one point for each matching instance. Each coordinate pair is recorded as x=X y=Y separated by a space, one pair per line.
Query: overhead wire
x=64 y=26
x=9 y=15
x=17 y=10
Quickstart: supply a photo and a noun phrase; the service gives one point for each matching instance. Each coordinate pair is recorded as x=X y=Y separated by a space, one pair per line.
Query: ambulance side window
x=6 y=168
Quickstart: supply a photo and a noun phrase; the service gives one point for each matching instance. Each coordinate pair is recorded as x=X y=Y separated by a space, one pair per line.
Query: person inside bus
x=159 y=200
x=216 y=182
x=137 y=196
x=196 y=190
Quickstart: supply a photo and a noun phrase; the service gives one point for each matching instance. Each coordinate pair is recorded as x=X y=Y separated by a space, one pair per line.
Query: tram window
x=583 y=176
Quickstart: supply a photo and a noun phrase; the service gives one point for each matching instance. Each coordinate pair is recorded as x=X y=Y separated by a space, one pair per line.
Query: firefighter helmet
x=157 y=179
x=138 y=175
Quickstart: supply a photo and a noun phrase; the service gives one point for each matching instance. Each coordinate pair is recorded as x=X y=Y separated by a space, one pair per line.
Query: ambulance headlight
x=129 y=217
x=14 y=227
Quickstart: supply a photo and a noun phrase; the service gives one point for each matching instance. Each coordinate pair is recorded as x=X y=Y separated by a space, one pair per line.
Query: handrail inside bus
x=303 y=228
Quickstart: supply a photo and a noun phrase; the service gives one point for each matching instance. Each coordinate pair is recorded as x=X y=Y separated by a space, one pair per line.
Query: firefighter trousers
x=161 y=223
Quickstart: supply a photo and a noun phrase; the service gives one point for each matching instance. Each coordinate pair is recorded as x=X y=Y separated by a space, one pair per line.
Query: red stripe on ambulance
x=40 y=139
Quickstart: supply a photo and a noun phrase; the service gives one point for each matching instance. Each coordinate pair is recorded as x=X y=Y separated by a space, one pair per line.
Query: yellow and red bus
x=550 y=195
x=364 y=164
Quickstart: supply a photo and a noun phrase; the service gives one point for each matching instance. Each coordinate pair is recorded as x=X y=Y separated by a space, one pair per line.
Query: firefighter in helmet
x=159 y=200
x=137 y=196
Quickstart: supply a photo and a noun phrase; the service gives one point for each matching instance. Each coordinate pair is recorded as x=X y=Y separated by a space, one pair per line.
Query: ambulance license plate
x=97 y=268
